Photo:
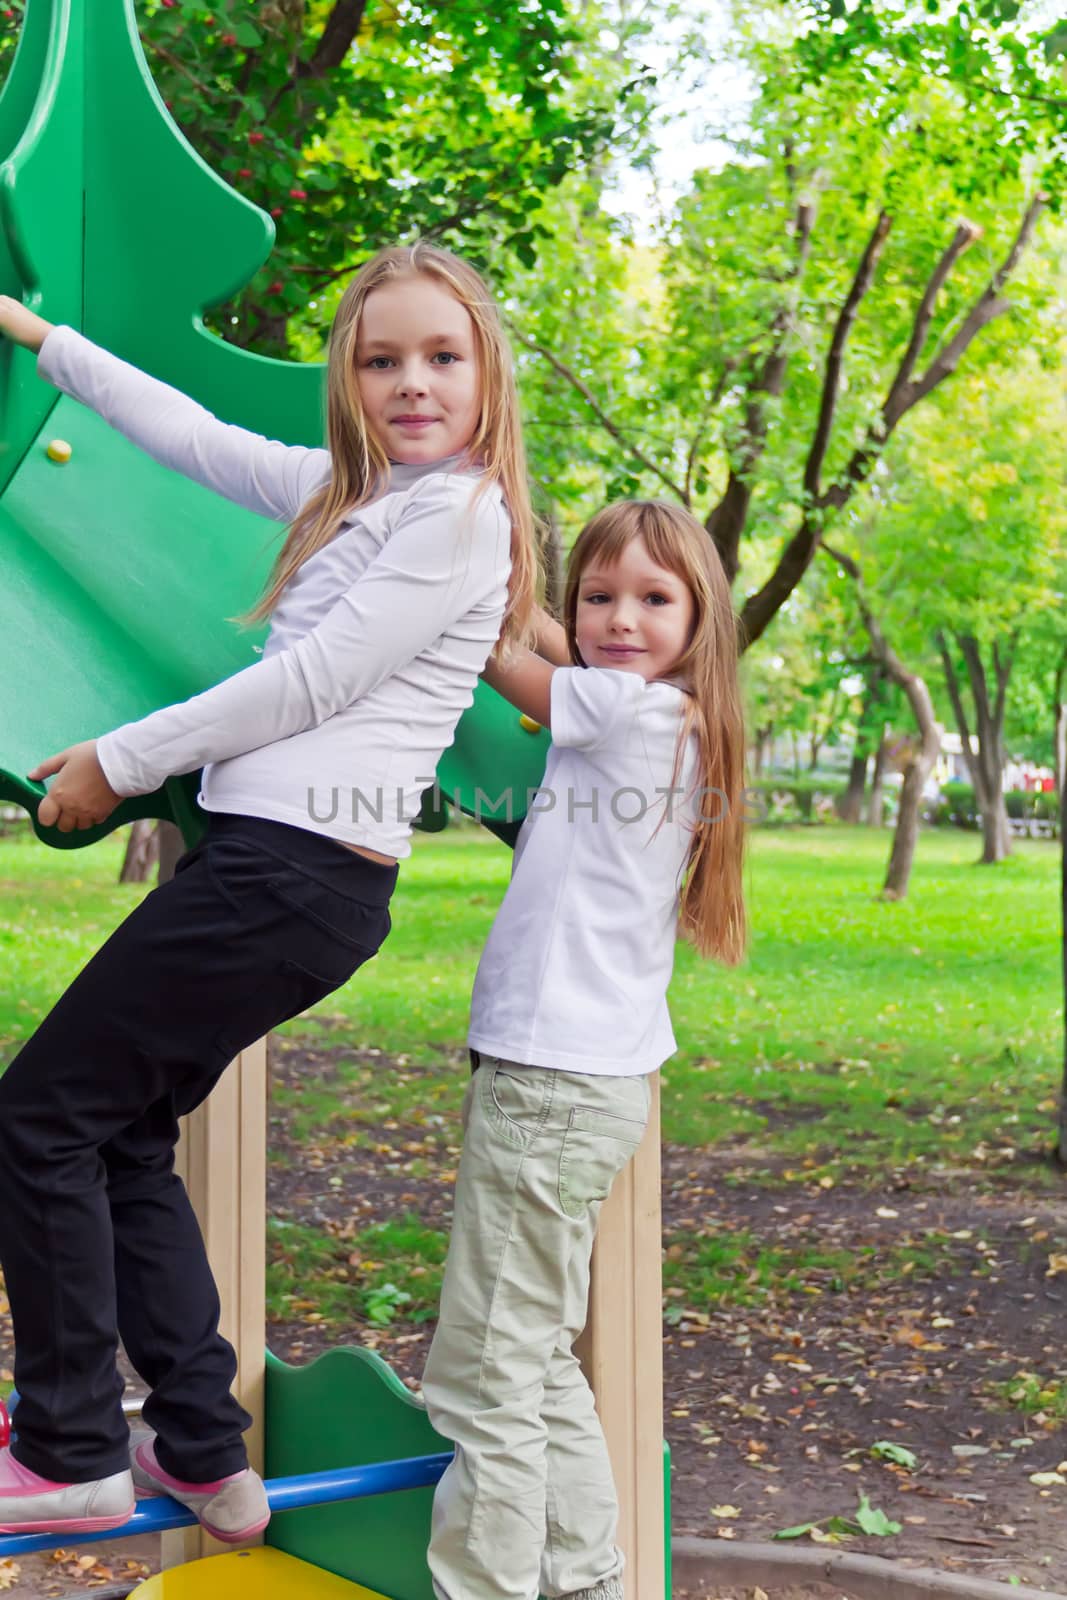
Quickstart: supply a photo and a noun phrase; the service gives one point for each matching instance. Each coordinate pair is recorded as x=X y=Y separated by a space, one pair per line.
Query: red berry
x=275 y=211
x=298 y=194
x=169 y=4
x=276 y=287
x=244 y=172
x=256 y=138
x=228 y=39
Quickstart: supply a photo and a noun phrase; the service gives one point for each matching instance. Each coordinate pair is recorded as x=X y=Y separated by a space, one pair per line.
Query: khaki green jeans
x=528 y=1504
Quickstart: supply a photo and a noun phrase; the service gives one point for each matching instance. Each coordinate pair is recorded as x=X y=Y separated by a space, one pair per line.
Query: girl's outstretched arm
x=263 y=475
x=445 y=557
x=551 y=639
x=21 y=325
x=526 y=680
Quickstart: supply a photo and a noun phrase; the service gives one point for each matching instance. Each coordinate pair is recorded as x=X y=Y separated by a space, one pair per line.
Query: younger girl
x=638 y=828
x=385 y=600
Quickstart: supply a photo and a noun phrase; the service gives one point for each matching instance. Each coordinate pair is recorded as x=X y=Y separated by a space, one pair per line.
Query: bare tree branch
x=576 y=383
x=759 y=609
x=335 y=41
x=861 y=283
x=726 y=521
x=959 y=711
x=989 y=304
x=1003 y=663
x=965 y=235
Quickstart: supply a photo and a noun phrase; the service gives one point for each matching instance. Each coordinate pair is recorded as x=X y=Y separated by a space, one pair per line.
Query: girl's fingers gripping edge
x=49 y=767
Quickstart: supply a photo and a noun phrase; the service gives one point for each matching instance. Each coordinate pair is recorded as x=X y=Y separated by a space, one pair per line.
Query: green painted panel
x=344 y=1410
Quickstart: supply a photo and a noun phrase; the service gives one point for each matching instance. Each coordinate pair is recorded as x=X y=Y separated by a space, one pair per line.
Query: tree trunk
x=142 y=851
x=919 y=768
x=985 y=760
x=151 y=844
x=171 y=848
x=876 y=803
x=552 y=557
x=764 y=742
x=852 y=799
x=923 y=756
x=1062 y=1141
x=996 y=831
x=906 y=832
x=1059 y=736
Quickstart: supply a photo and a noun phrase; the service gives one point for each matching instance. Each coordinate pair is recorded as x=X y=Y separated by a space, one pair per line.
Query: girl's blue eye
x=660 y=599
x=594 y=599
x=378 y=363
x=446 y=357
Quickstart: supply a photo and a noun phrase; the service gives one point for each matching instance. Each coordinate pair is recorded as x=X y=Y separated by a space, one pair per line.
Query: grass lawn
x=858 y=1033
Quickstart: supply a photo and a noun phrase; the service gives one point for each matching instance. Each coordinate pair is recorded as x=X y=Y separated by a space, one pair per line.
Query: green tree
x=810 y=295
x=355 y=123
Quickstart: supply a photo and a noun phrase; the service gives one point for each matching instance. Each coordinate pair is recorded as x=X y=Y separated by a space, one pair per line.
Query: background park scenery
x=801 y=266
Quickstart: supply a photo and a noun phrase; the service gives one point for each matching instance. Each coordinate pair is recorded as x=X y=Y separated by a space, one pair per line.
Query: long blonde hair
x=712 y=911
x=359 y=464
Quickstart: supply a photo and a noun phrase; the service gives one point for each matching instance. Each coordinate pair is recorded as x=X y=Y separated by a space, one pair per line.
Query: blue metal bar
x=283 y=1494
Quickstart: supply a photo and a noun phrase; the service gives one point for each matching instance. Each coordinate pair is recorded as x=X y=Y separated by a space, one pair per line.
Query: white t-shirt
x=375 y=645
x=575 y=971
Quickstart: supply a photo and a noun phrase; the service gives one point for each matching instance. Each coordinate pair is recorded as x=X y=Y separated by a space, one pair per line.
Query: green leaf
x=885 y=1450
x=248 y=35
x=872 y=1520
x=795 y=1533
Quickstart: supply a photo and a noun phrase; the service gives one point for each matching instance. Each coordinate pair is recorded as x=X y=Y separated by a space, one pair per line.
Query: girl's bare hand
x=21 y=326
x=81 y=796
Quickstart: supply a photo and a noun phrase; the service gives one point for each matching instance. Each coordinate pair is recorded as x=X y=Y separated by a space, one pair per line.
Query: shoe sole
x=235 y=1538
x=69 y=1524
x=159 y=1491
x=216 y=1533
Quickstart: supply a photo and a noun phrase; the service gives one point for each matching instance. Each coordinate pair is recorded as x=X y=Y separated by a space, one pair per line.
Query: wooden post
x=622 y=1355
x=222 y=1158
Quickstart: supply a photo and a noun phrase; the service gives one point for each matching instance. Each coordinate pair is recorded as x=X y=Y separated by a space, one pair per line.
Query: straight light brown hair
x=359 y=466
x=712 y=910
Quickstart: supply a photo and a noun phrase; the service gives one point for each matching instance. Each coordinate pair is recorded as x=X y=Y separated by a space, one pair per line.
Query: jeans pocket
x=291 y=989
x=332 y=933
x=596 y=1147
x=516 y=1100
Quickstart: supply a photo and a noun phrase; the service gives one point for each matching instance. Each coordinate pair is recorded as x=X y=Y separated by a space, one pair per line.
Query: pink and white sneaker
x=31 y=1504
x=232 y=1509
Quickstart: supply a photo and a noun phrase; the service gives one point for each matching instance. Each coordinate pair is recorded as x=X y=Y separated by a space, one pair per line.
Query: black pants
x=97 y=1236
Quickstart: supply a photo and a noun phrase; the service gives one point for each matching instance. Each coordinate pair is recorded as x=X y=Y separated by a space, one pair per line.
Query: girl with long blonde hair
x=636 y=835
x=410 y=551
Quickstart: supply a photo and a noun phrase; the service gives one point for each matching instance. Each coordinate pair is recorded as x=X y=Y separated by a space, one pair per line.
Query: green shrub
x=780 y=800
x=957 y=806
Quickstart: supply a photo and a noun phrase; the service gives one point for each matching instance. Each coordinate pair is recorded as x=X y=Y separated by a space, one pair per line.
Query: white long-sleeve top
x=375 y=645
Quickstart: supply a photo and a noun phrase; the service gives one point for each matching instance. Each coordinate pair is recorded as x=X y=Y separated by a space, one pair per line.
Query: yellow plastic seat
x=260 y=1574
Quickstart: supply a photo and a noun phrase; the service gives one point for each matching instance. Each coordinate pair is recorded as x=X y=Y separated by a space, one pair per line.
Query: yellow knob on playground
x=529 y=724
x=59 y=450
